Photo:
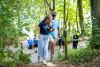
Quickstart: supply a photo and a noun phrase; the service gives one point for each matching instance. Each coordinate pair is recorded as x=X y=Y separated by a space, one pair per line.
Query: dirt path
x=94 y=63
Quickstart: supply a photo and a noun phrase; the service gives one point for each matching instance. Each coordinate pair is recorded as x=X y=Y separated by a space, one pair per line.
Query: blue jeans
x=43 y=46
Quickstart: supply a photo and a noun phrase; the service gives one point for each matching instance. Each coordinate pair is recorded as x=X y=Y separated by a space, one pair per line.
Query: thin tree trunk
x=65 y=33
x=67 y=18
x=69 y=26
x=95 y=12
x=45 y=8
x=77 y=20
x=48 y=4
x=53 y=5
x=81 y=19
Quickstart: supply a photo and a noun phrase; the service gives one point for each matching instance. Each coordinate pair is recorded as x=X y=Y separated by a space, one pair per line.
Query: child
x=35 y=41
x=30 y=40
x=75 y=40
x=61 y=42
x=30 y=43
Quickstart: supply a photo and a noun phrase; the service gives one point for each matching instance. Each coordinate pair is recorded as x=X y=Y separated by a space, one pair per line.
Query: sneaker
x=44 y=62
x=35 y=51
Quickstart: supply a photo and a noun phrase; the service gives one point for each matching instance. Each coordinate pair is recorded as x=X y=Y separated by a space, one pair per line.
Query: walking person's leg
x=52 y=51
x=76 y=44
x=40 y=47
x=52 y=44
x=45 y=49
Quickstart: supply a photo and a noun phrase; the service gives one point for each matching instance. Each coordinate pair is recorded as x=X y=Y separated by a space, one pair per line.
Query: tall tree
x=65 y=33
x=53 y=5
x=77 y=19
x=95 y=15
x=81 y=19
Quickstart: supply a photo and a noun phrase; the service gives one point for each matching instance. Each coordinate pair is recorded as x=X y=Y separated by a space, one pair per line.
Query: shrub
x=59 y=56
x=81 y=55
x=8 y=58
x=78 y=56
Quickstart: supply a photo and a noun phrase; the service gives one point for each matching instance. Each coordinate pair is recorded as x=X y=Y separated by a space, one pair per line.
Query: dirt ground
x=94 y=63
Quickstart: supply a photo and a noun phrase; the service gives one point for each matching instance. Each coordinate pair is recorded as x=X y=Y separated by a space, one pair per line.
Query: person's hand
x=52 y=30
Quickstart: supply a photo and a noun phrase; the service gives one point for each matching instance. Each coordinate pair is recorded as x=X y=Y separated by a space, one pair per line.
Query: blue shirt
x=30 y=41
x=35 y=41
x=55 y=25
x=43 y=28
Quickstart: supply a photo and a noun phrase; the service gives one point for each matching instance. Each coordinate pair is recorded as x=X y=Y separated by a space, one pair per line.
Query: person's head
x=53 y=14
x=47 y=19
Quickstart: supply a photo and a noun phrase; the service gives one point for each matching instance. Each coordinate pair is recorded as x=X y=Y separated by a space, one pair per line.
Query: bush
x=8 y=58
x=95 y=39
x=81 y=55
x=78 y=56
x=59 y=56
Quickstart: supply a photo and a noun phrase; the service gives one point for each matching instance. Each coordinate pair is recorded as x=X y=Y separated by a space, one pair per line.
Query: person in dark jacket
x=61 y=43
x=75 y=40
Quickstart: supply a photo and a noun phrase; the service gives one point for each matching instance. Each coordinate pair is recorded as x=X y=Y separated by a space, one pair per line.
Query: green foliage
x=82 y=55
x=8 y=58
x=95 y=39
x=78 y=56
x=22 y=58
x=88 y=29
x=59 y=56
x=5 y=58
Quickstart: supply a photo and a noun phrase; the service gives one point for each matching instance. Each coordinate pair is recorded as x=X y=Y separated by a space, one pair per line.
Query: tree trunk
x=81 y=19
x=65 y=33
x=48 y=4
x=53 y=5
x=77 y=20
x=45 y=8
x=69 y=26
x=95 y=15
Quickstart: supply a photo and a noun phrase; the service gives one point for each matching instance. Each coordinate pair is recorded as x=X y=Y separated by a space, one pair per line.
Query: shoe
x=35 y=51
x=44 y=62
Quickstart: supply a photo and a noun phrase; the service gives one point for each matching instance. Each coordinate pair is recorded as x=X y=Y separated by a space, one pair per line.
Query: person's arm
x=50 y=28
x=59 y=29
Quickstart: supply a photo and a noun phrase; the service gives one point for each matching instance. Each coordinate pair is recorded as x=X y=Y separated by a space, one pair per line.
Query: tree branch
x=48 y=5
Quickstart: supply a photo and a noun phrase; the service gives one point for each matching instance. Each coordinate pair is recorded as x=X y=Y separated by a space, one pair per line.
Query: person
x=35 y=41
x=75 y=40
x=55 y=24
x=61 y=43
x=44 y=39
x=30 y=43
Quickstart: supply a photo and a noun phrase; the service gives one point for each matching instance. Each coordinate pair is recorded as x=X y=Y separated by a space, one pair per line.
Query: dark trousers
x=30 y=47
x=75 y=43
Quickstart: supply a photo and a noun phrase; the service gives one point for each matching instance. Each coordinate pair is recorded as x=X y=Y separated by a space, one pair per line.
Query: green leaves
x=82 y=55
x=8 y=58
